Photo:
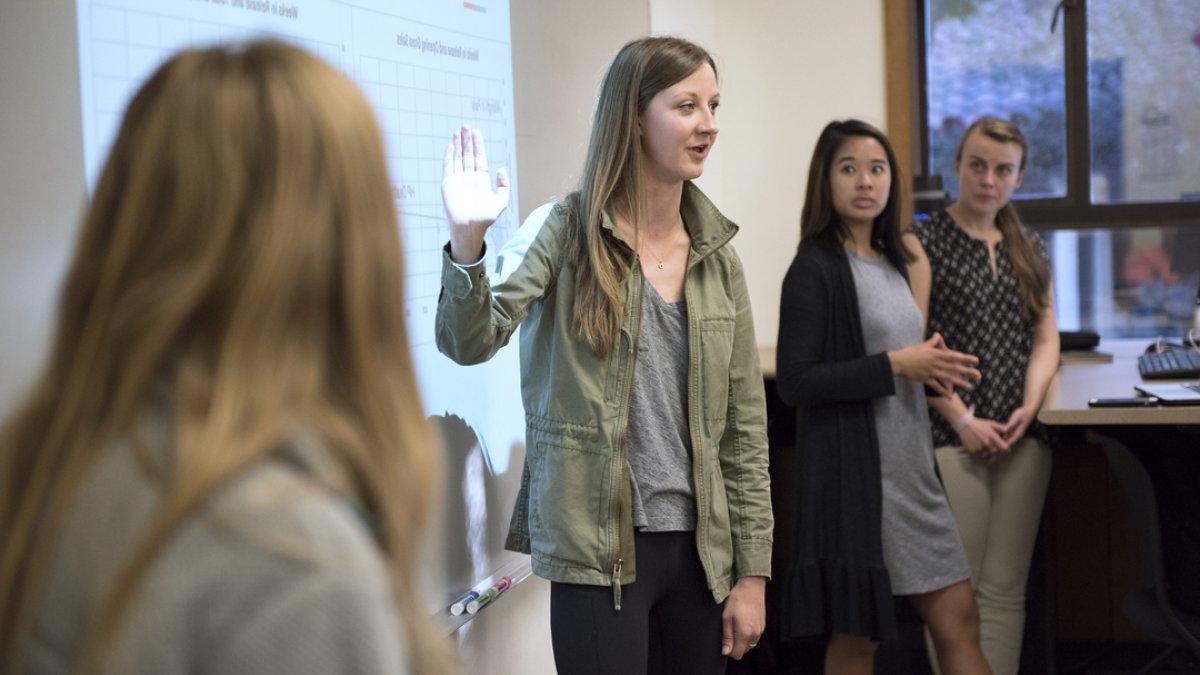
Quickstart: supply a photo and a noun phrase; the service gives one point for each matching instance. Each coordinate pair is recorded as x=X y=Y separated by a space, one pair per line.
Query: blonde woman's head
x=242 y=252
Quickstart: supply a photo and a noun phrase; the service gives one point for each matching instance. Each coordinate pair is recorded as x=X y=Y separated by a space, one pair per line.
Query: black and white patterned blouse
x=981 y=314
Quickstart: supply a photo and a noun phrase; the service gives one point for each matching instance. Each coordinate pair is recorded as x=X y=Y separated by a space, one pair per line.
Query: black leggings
x=668 y=621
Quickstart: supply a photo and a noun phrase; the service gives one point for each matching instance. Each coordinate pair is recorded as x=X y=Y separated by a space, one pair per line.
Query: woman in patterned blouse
x=983 y=282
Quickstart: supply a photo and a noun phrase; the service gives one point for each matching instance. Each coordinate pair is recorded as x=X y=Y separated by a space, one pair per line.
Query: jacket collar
x=708 y=228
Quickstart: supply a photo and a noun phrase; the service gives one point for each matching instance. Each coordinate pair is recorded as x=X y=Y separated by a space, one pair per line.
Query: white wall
x=696 y=20
x=41 y=181
x=560 y=51
x=788 y=67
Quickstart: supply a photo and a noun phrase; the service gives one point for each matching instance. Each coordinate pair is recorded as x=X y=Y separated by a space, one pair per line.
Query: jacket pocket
x=568 y=497
x=716 y=350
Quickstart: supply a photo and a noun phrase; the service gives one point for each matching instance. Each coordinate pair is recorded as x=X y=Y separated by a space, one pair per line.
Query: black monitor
x=929 y=195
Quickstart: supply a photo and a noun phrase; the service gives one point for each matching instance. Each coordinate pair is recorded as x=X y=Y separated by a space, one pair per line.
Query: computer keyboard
x=1169 y=364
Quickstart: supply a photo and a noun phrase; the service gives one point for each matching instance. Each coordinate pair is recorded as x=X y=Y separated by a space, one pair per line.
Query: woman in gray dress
x=873 y=519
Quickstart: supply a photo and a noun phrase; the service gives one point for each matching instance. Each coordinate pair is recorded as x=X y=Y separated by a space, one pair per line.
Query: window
x=1016 y=72
x=1138 y=282
x=1108 y=101
x=1144 y=102
x=1111 y=108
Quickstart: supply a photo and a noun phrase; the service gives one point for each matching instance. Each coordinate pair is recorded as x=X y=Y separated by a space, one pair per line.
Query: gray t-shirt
x=660 y=447
x=921 y=546
x=276 y=574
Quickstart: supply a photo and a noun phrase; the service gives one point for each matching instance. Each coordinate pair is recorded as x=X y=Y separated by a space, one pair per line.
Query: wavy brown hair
x=242 y=249
x=611 y=178
x=1030 y=268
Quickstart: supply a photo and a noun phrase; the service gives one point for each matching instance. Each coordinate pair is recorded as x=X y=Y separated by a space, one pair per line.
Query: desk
x=1092 y=551
x=1076 y=383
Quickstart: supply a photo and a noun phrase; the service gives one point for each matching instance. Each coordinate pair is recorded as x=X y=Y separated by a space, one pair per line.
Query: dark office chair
x=1147 y=606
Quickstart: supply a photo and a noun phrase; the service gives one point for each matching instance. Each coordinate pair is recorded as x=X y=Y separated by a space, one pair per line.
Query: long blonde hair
x=1029 y=267
x=612 y=177
x=242 y=248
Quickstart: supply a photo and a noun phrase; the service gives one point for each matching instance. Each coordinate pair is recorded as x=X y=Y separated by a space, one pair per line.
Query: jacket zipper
x=694 y=431
x=616 y=584
x=620 y=459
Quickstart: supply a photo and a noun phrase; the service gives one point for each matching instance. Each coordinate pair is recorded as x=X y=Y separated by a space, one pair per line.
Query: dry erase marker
x=460 y=605
x=489 y=595
x=482 y=601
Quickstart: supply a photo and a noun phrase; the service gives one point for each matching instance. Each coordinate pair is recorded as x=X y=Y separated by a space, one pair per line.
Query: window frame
x=1075 y=210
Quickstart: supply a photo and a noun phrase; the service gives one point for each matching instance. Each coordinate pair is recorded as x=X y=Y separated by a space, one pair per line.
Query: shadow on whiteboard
x=472 y=520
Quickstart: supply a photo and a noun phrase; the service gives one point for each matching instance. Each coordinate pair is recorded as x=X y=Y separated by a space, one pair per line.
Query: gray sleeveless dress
x=921 y=546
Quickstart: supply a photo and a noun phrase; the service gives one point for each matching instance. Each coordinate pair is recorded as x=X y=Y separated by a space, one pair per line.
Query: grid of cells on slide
x=420 y=96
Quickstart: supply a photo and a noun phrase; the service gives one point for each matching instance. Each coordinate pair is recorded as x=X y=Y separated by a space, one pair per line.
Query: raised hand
x=471 y=203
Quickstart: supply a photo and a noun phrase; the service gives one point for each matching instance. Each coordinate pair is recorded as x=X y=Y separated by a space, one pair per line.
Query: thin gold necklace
x=661 y=260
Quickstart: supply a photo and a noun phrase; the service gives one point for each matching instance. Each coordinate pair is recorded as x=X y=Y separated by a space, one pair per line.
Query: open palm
x=471 y=203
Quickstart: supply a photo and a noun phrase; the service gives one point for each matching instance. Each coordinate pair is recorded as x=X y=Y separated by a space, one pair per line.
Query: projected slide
x=426 y=65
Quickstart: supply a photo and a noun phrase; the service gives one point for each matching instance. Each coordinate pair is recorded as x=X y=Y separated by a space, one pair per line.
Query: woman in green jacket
x=645 y=495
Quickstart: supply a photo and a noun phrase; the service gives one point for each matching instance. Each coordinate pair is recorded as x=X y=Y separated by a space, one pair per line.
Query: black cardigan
x=837 y=581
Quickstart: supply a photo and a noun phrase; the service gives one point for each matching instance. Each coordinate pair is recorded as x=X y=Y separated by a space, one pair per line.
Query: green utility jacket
x=574 y=510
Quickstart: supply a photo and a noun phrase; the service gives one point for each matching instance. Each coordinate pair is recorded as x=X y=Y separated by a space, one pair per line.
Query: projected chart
x=427 y=66
x=423 y=78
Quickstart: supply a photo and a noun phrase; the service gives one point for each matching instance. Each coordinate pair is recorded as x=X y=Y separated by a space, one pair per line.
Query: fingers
x=957 y=369
x=468 y=148
x=952 y=381
x=943 y=388
x=480 y=150
x=726 y=633
x=984 y=439
x=962 y=357
x=448 y=161
x=996 y=437
x=952 y=378
x=739 y=644
x=950 y=356
x=1012 y=430
x=1014 y=433
x=1009 y=426
x=938 y=342
x=501 y=195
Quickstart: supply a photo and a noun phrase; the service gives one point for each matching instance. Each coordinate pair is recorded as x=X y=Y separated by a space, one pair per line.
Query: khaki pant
x=998 y=505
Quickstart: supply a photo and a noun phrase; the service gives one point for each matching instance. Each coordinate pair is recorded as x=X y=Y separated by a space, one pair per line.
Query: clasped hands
x=986 y=438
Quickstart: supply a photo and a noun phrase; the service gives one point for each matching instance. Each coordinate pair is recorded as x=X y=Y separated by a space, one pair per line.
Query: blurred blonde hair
x=242 y=248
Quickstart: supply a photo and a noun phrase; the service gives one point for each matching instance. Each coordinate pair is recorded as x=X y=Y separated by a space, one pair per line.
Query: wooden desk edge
x=1075 y=383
